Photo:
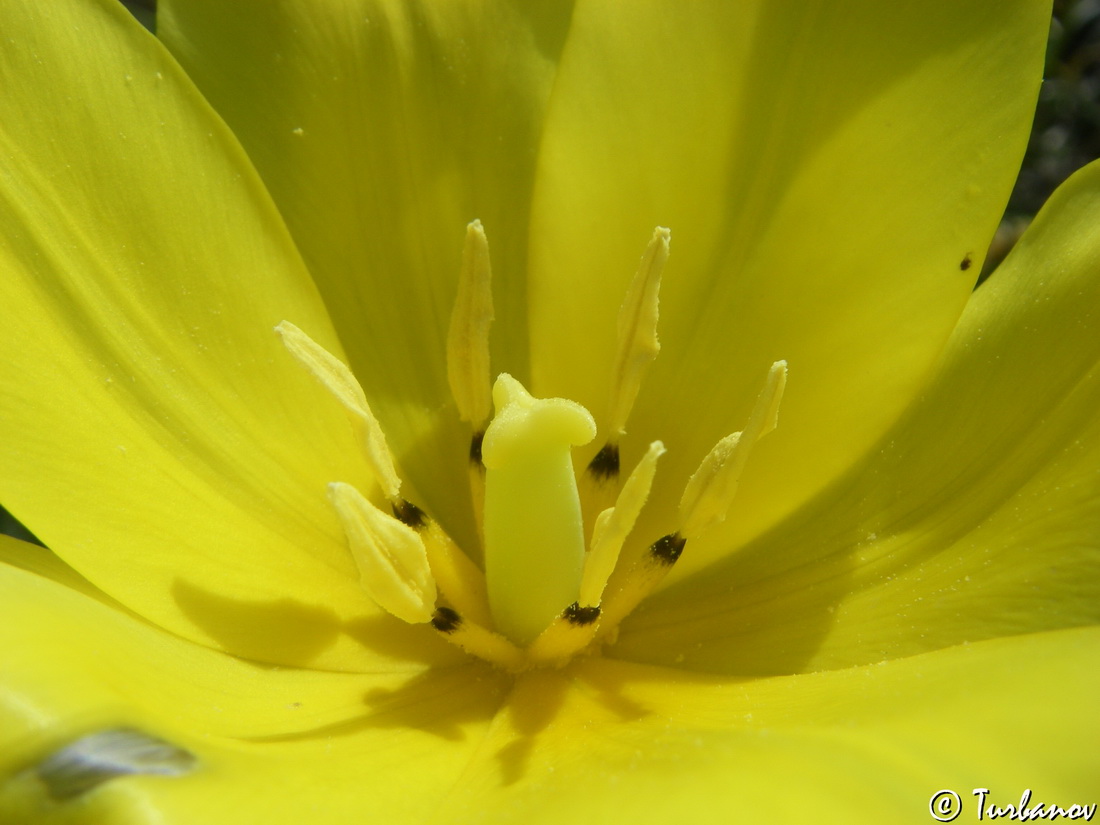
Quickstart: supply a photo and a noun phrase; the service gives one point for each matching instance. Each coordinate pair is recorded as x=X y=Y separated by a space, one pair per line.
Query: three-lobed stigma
x=544 y=594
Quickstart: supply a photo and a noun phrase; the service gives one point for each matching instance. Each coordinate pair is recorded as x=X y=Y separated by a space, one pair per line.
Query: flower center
x=534 y=530
x=543 y=596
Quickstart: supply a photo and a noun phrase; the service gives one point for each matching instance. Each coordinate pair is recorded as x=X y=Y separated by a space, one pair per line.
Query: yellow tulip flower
x=894 y=618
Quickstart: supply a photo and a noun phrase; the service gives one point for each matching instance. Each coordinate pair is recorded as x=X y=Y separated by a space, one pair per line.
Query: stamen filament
x=614 y=525
x=458 y=578
x=335 y=376
x=392 y=561
x=477 y=640
x=639 y=581
x=572 y=631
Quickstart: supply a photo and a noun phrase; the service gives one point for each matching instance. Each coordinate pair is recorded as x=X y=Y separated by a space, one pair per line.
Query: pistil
x=534 y=533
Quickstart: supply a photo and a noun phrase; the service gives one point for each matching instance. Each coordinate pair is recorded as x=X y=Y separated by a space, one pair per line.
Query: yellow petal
x=77 y=657
x=595 y=742
x=382 y=127
x=609 y=742
x=977 y=516
x=825 y=169
x=153 y=430
x=332 y=744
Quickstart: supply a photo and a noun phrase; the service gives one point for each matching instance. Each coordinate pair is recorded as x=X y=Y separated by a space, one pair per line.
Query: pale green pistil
x=534 y=536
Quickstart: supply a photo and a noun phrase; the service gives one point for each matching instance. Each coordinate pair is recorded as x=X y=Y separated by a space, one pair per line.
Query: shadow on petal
x=288 y=632
x=387 y=636
x=536 y=704
x=280 y=630
x=532 y=707
x=439 y=702
x=748 y=614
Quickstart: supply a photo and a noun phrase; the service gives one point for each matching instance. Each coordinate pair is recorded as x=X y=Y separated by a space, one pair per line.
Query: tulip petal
x=74 y=667
x=831 y=173
x=611 y=742
x=382 y=128
x=602 y=740
x=153 y=430
x=977 y=516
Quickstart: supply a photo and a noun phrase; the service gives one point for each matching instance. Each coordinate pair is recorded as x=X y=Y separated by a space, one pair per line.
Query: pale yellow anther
x=765 y=413
x=335 y=376
x=390 y=555
x=468 y=336
x=534 y=536
x=637 y=332
x=614 y=524
x=711 y=489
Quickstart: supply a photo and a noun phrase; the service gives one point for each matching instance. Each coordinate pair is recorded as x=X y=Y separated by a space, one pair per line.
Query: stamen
x=705 y=502
x=338 y=379
x=475 y=449
x=605 y=464
x=534 y=538
x=572 y=631
x=468 y=336
x=392 y=561
x=446 y=620
x=637 y=332
x=579 y=623
x=614 y=525
x=458 y=579
x=639 y=581
x=580 y=616
x=711 y=489
x=542 y=599
x=477 y=640
x=666 y=551
x=409 y=514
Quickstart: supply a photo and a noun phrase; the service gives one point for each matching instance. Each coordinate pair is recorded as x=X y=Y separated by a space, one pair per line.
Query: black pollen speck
x=575 y=614
x=605 y=464
x=667 y=549
x=475 y=448
x=446 y=620
x=408 y=513
x=965 y=263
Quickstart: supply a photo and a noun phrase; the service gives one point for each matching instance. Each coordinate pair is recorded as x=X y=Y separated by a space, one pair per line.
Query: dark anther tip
x=408 y=513
x=446 y=620
x=667 y=549
x=575 y=614
x=475 y=448
x=605 y=464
